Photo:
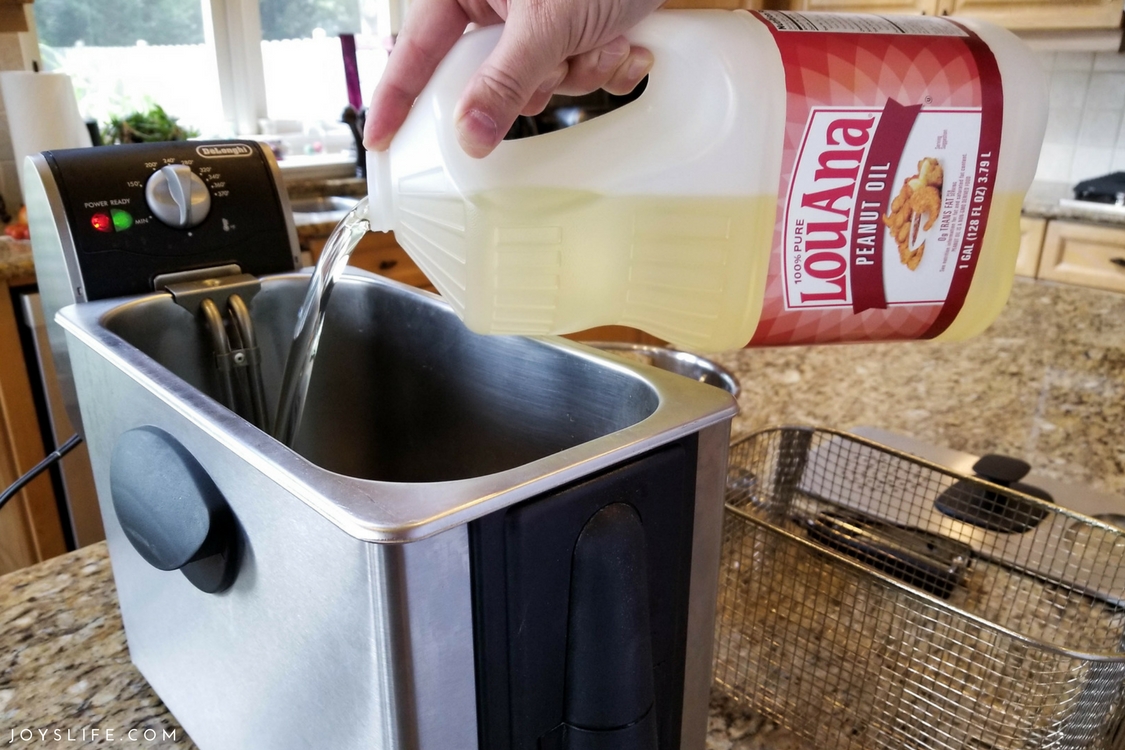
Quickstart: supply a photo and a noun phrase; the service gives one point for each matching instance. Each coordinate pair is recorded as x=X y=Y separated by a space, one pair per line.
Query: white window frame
x=234 y=30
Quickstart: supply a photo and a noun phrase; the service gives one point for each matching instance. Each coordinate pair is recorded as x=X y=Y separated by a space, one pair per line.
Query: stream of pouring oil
x=310 y=321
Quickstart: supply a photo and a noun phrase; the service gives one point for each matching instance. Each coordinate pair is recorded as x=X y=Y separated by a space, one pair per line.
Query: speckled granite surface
x=352 y=186
x=1042 y=202
x=64 y=666
x=1045 y=383
x=320 y=225
x=1042 y=199
x=65 y=670
x=15 y=259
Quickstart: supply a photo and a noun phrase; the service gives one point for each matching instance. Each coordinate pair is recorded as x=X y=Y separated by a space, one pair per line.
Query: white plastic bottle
x=748 y=195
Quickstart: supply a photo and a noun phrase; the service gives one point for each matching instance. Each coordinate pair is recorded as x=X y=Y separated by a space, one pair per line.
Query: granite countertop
x=352 y=186
x=15 y=259
x=321 y=224
x=65 y=668
x=65 y=665
x=1046 y=383
x=1042 y=202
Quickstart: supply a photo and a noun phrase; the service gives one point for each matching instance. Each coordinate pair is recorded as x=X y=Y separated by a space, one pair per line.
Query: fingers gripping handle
x=687 y=108
x=688 y=95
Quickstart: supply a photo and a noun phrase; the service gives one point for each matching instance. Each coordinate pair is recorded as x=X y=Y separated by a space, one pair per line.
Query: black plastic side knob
x=976 y=504
x=1002 y=470
x=170 y=509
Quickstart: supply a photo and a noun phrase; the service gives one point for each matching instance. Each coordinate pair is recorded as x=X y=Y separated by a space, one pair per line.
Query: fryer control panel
x=138 y=211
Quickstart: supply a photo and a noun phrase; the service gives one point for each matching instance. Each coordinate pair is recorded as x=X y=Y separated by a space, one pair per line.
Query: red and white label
x=836 y=231
x=893 y=126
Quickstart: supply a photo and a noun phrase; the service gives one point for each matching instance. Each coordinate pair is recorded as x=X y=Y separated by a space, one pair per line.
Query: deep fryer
x=494 y=542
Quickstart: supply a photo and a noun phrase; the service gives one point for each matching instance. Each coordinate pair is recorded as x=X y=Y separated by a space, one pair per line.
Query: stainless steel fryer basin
x=401 y=392
x=349 y=621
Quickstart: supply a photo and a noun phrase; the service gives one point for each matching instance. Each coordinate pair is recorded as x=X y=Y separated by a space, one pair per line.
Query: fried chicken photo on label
x=914 y=210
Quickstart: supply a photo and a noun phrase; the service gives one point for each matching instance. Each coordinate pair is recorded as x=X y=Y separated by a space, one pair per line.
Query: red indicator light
x=102 y=222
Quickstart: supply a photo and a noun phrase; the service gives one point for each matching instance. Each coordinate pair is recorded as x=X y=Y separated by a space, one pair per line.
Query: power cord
x=38 y=469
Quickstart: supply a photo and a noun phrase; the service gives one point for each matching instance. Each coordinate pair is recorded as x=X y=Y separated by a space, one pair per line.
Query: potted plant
x=146 y=127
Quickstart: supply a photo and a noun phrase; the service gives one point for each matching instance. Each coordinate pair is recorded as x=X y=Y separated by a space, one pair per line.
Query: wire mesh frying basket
x=870 y=599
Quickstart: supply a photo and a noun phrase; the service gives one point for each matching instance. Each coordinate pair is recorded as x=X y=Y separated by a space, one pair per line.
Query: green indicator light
x=122 y=220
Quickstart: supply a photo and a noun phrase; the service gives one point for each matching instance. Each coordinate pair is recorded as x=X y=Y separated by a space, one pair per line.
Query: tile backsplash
x=1086 y=123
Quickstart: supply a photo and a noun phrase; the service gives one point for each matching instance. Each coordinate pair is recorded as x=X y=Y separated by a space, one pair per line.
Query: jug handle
x=694 y=63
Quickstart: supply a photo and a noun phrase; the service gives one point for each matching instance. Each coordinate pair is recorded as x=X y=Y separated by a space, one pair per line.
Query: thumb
x=503 y=85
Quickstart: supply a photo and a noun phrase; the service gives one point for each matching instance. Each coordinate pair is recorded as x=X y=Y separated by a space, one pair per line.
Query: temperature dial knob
x=178 y=197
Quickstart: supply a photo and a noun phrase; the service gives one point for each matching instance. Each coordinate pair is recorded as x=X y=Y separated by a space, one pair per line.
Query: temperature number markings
x=216 y=182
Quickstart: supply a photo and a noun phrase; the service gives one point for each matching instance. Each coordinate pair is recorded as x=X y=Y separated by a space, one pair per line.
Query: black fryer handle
x=609 y=663
x=990 y=509
x=170 y=509
x=1002 y=470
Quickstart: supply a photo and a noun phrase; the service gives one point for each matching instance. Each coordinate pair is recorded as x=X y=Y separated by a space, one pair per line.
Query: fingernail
x=379 y=145
x=477 y=132
x=639 y=68
x=612 y=53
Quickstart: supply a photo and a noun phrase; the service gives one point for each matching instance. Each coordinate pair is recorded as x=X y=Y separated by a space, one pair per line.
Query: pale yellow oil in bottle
x=690 y=270
x=992 y=279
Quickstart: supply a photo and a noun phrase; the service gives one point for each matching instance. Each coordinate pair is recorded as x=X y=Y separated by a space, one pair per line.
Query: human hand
x=547 y=46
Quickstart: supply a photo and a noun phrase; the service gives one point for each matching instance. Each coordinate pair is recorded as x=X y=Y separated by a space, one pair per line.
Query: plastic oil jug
x=784 y=178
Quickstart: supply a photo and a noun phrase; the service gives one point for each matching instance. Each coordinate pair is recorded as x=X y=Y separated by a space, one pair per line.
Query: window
x=125 y=55
x=302 y=56
x=223 y=67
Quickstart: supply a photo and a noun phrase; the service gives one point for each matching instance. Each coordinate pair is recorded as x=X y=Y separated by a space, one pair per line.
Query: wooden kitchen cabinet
x=378 y=253
x=929 y=7
x=30 y=527
x=1013 y=14
x=1085 y=254
x=616 y=333
x=720 y=4
x=1032 y=231
x=1041 y=15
